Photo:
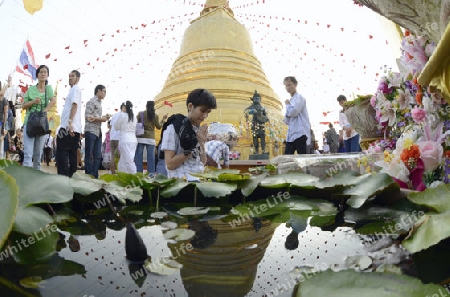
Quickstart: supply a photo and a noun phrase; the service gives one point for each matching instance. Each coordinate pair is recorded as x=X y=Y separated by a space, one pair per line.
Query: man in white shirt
x=114 y=137
x=297 y=118
x=68 y=135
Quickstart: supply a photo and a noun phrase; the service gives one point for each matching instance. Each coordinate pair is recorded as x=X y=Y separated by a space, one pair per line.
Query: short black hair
x=42 y=67
x=39 y=70
x=202 y=97
x=291 y=78
x=341 y=98
x=98 y=88
x=77 y=73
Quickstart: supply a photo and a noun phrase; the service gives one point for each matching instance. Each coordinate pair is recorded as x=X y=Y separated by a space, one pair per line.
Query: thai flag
x=26 y=64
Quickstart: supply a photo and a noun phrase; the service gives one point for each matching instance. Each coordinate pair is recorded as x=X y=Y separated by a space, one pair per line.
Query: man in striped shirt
x=93 y=131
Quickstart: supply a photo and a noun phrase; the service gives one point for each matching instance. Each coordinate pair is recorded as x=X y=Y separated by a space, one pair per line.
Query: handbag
x=37 y=124
x=140 y=125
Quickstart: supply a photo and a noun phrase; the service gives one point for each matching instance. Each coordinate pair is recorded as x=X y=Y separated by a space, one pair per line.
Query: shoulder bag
x=140 y=125
x=37 y=124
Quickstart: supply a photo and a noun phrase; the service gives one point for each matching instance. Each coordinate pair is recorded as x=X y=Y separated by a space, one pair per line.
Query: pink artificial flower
x=378 y=115
x=417 y=52
x=418 y=114
x=431 y=154
x=384 y=87
x=373 y=101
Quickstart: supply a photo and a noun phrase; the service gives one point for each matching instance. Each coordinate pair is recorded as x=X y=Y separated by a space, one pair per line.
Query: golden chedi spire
x=217 y=54
x=213 y=4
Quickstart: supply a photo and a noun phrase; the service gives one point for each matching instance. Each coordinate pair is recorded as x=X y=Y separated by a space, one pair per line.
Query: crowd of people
x=183 y=146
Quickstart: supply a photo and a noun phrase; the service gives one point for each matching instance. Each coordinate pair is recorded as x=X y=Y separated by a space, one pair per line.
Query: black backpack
x=183 y=127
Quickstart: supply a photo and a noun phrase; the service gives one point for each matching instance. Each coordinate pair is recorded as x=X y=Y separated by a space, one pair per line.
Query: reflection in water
x=135 y=248
x=225 y=266
x=298 y=224
x=249 y=259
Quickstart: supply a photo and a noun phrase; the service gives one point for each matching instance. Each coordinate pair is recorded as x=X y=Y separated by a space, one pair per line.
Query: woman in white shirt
x=126 y=124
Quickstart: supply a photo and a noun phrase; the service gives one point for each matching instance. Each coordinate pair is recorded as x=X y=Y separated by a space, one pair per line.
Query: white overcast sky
x=332 y=46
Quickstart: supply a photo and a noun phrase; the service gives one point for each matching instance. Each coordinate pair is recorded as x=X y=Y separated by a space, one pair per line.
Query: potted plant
x=362 y=117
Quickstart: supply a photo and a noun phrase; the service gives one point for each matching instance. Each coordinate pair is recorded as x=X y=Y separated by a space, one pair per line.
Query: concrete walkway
x=53 y=170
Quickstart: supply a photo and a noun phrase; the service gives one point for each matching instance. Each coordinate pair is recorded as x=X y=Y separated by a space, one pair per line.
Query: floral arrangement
x=382 y=145
x=235 y=155
x=417 y=153
x=421 y=158
x=398 y=100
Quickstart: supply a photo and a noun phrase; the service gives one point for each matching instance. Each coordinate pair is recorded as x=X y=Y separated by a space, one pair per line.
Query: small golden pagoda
x=217 y=54
x=54 y=118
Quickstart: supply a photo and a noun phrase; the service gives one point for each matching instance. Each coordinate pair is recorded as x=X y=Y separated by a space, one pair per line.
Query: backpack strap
x=176 y=120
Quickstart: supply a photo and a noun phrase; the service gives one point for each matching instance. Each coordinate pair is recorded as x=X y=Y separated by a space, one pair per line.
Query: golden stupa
x=217 y=54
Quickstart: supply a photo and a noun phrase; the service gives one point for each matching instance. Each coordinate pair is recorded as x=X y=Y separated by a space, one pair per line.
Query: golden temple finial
x=213 y=4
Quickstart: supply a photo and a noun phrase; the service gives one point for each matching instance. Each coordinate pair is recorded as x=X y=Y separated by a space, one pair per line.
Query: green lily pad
x=381 y=220
x=283 y=208
x=252 y=183
x=161 y=180
x=32 y=282
x=434 y=226
x=31 y=219
x=230 y=177
x=208 y=189
x=343 y=178
x=430 y=230
x=52 y=189
x=296 y=179
x=368 y=187
x=179 y=234
x=233 y=174
x=174 y=189
x=109 y=177
x=216 y=190
x=189 y=211
x=9 y=191
x=350 y=283
x=35 y=248
x=437 y=198
x=85 y=184
x=132 y=193
x=39 y=187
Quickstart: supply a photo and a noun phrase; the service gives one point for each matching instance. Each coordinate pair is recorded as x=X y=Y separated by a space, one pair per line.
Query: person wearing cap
x=147 y=140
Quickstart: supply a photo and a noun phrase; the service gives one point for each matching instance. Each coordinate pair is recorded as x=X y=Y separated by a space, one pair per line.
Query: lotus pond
x=232 y=234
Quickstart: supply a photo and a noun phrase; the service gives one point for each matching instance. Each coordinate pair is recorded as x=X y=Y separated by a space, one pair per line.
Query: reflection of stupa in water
x=228 y=266
x=217 y=54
